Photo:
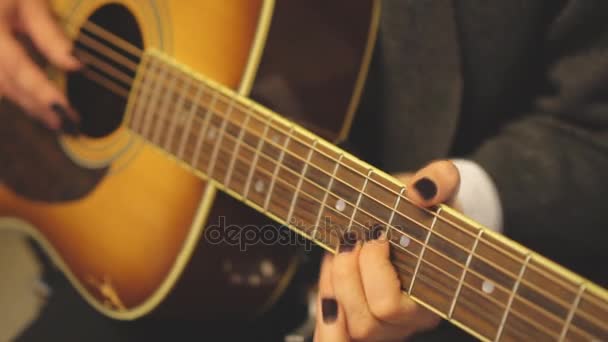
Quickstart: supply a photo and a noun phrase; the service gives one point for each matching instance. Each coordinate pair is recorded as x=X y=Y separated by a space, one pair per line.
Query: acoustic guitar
x=180 y=131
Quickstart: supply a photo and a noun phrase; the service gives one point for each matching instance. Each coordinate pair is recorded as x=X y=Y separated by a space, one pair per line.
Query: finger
x=382 y=285
x=38 y=21
x=383 y=291
x=331 y=323
x=29 y=86
x=9 y=91
x=346 y=277
x=436 y=183
x=29 y=108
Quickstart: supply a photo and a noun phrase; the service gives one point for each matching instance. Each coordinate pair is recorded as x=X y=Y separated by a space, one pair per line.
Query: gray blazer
x=521 y=87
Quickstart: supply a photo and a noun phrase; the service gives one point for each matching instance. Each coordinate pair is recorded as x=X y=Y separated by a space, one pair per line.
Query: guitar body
x=122 y=220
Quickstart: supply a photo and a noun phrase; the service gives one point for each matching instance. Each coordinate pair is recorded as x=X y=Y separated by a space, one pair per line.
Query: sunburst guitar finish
x=123 y=220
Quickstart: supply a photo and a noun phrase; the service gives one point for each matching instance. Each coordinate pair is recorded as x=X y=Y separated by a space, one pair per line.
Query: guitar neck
x=483 y=282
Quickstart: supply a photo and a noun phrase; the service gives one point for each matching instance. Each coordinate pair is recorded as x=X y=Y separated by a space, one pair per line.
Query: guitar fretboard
x=485 y=283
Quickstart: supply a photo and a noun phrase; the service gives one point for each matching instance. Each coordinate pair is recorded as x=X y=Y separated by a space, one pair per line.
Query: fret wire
x=470 y=287
x=414 y=239
x=464 y=272
x=276 y=169
x=342 y=214
x=358 y=202
x=512 y=297
x=409 y=252
x=336 y=212
x=179 y=107
x=426 y=242
x=474 y=289
x=492 y=245
x=146 y=91
x=520 y=315
x=395 y=207
x=512 y=256
x=256 y=156
x=350 y=168
x=203 y=130
x=506 y=272
x=479 y=292
x=326 y=194
x=164 y=109
x=221 y=134
x=292 y=186
x=498 y=248
x=570 y=316
x=300 y=181
x=150 y=108
x=237 y=146
x=144 y=88
x=498 y=267
x=187 y=130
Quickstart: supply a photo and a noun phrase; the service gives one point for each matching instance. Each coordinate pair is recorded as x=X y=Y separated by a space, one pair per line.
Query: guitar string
x=295 y=173
x=135 y=51
x=552 y=277
x=347 y=184
x=466 y=284
x=399 y=262
x=459 y=265
x=355 y=170
x=460 y=246
x=110 y=37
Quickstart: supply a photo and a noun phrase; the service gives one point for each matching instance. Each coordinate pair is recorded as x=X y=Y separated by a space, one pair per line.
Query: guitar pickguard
x=33 y=164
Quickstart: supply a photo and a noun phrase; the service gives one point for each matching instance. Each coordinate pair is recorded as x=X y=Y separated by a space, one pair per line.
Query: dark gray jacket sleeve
x=551 y=165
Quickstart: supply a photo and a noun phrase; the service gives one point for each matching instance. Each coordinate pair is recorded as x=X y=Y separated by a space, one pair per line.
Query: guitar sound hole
x=101 y=110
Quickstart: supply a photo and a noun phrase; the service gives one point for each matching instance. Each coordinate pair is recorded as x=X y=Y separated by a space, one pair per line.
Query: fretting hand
x=360 y=293
x=21 y=80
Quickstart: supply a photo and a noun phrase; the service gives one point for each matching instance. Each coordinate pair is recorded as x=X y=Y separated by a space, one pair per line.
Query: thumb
x=438 y=182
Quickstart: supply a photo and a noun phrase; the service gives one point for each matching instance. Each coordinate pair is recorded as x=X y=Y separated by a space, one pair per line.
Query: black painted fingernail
x=68 y=126
x=329 y=310
x=348 y=242
x=426 y=188
x=374 y=232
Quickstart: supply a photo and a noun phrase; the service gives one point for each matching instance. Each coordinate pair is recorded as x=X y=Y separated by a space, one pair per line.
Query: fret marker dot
x=267 y=268
x=254 y=280
x=259 y=185
x=487 y=286
x=340 y=205
x=212 y=133
x=404 y=241
x=276 y=138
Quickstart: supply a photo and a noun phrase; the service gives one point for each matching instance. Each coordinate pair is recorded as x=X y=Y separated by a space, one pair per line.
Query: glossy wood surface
x=312 y=81
x=126 y=234
x=123 y=233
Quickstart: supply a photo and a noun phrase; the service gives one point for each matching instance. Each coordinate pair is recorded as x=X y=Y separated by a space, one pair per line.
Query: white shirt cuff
x=478 y=196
